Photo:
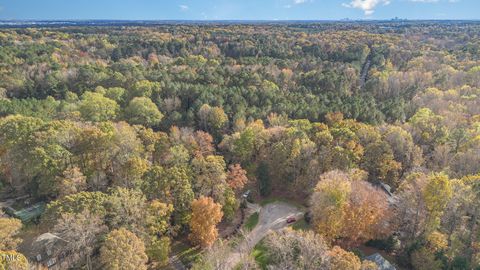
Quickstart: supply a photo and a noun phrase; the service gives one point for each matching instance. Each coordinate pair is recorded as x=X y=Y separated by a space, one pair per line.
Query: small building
x=48 y=251
x=380 y=261
x=27 y=214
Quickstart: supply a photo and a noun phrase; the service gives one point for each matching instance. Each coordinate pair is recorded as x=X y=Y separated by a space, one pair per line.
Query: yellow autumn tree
x=9 y=227
x=329 y=202
x=123 y=250
x=341 y=259
x=369 y=265
x=206 y=214
x=12 y=260
x=437 y=193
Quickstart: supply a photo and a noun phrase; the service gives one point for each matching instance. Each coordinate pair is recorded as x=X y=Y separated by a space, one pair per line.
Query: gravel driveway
x=272 y=216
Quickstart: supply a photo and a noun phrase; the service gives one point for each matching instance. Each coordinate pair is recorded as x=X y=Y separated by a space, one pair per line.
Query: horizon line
x=240 y=20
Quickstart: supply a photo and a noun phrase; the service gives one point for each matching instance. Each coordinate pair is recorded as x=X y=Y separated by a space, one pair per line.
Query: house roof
x=47 y=238
x=381 y=262
x=46 y=245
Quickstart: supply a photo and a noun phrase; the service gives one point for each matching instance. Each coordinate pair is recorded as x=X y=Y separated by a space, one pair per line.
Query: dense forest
x=144 y=142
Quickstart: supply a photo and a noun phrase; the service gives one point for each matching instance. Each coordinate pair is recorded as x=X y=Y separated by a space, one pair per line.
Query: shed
x=28 y=213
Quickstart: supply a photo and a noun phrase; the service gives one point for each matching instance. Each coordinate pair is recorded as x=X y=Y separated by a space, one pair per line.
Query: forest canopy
x=133 y=133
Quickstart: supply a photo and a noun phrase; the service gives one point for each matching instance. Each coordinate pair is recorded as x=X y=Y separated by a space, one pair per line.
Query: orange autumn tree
x=206 y=214
x=237 y=177
x=348 y=210
x=368 y=215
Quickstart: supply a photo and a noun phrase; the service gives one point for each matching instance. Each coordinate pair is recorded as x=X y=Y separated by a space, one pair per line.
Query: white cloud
x=183 y=7
x=368 y=6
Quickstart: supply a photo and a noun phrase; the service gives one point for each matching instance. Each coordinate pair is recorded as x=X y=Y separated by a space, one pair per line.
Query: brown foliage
x=343 y=260
x=349 y=210
x=206 y=214
x=237 y=177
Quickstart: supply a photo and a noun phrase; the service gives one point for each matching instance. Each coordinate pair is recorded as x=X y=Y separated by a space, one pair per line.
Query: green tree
x=263 y=177
x=212 y=119
x=158 y=250
x=380 y=163
x=127 y=208
x=172 y=186
x=97 y=108
x=210 y=177
x=428 y=129
x=158 y=218
x=404 y=149
x=116 y=93
x=145 y=88
x=34 y=152
x=142 y=111
x=230 y=205
x=76 y=203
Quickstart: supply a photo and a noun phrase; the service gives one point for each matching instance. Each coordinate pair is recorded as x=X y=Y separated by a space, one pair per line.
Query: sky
x=238 y=9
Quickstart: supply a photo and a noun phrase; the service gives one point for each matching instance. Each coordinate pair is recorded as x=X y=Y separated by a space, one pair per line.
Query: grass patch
x=301 y=225
x=252 y=221
x=234 y=241
x=279 y=199
x=260 y=253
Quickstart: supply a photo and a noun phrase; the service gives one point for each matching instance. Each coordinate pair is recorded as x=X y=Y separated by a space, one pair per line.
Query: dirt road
x=272 y=216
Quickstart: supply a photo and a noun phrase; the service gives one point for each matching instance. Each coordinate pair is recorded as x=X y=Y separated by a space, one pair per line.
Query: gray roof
x=45 y=246
x=381 y=262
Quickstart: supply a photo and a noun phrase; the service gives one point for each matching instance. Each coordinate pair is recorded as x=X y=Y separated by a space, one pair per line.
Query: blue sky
x=239 y=9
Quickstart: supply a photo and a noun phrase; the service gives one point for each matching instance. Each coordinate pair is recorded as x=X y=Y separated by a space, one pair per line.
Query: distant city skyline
x=239 y=9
